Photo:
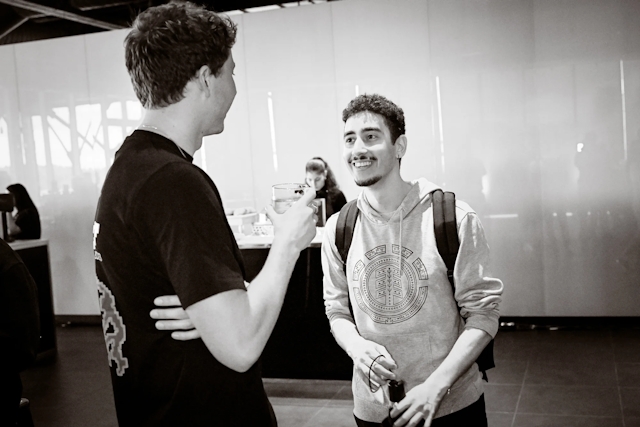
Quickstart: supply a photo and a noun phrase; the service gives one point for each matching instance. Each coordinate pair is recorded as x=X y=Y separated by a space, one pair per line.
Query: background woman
x=320 y=177
x=25 y=224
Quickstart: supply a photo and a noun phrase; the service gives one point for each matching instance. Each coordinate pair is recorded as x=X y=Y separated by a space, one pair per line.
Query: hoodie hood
x=420 y=193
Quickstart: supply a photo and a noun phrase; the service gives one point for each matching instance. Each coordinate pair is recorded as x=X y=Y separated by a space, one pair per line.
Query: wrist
x=284 y=248
x=354 y=342
x=440 y=383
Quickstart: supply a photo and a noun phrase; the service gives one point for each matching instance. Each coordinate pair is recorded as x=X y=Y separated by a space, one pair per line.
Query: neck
x=387 y=194
x=179 y=128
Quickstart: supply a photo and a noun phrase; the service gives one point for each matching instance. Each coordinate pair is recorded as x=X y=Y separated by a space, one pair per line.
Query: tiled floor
x=565 y=378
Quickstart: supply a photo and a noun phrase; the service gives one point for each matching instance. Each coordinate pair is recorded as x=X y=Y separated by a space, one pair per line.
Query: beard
x=367 y=181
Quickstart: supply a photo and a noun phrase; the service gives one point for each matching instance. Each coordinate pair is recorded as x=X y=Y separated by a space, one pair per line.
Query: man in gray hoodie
x=405 y=323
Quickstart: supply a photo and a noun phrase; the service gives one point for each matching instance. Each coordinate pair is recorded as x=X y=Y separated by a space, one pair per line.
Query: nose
x=358 y=147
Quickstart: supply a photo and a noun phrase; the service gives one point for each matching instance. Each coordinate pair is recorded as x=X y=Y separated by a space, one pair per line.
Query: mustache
x=356 y=158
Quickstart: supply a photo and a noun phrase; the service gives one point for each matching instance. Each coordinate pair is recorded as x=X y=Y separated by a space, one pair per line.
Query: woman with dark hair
x=25 y=224
x=320 y=177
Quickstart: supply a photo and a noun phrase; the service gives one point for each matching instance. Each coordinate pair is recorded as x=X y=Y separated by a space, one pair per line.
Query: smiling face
x=368 y=149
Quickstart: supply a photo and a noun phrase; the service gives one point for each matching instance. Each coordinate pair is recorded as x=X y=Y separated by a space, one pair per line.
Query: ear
x=204 y=79
x=401 y=146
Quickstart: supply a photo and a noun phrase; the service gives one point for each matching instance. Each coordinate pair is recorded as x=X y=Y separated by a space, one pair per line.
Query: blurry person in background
x=19 y=330
x=320 y=176
x=160 y=229
x=25 y=223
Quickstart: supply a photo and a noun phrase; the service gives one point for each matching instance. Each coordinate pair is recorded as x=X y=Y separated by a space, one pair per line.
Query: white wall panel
x=53 y=104
x=526 y=91
x=228 y=155
x=383 y=47
x=10 y=134
x=289 y=63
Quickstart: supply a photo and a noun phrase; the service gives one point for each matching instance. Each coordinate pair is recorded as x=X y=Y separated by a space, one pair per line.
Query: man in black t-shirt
x=160 y=229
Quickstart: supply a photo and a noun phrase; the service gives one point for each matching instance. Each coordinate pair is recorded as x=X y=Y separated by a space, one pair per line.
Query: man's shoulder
x=138 y=161
x=142 y=155
x=331 y=224
x=463 y=208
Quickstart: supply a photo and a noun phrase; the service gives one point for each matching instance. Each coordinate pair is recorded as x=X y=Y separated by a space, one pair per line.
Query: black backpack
x=446 y=232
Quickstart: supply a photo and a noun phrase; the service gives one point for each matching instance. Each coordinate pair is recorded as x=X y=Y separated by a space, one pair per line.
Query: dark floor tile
x=628 y=374
x=501 y=398
x=75 y=390
x=53 y=395
x=577 y=372
x=596 y=337
x=568 y=352
x=499 y=419
x=630 y=401
x=508 y=372
x=345 y=393
x=83 y=360
x=534 y=420
x=339 y=403
x=625 y=334
x=96 y=409
x=51 y=417
x=626 y=344
x=310 y=389
x=570 y=400
x=294 y=416
x=63 y=389
x=295 y=401
x=513 y=345
x=331 y=417
x=632 y=421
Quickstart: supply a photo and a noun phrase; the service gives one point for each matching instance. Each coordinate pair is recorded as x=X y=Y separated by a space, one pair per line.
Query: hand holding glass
x=294 y=221
x=284 y=195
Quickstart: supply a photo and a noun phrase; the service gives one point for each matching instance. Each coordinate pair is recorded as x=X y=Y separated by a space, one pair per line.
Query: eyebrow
x=369 y=129
x=372 y=129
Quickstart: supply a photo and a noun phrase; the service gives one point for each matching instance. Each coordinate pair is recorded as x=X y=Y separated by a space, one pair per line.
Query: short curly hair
x=374 y=103
x=167 y=46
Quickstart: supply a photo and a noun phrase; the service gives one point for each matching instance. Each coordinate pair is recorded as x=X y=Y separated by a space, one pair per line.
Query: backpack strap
x=448 y=243
x=344 y=235
x=344 y=229
x=446 y=229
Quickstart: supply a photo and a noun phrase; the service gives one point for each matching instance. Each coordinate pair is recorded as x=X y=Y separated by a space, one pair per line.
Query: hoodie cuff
x=487 y=322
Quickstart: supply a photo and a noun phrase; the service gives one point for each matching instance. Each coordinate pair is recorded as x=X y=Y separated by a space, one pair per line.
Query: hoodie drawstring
x=400 y=250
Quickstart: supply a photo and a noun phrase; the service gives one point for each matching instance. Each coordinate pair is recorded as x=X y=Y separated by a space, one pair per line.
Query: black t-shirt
x=160 y=229
x=29 y=222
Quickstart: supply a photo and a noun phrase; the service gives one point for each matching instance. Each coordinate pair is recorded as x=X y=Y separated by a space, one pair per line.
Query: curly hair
x=167 y=46
x=319 y=165
x=374 y=103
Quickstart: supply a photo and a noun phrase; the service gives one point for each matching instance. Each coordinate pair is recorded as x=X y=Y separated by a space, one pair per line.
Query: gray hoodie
x=413 y=314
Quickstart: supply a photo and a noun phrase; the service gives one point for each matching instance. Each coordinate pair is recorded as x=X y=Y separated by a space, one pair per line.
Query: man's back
x=160 y=229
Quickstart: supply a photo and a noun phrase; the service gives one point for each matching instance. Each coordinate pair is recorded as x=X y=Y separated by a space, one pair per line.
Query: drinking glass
x=284 y=195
